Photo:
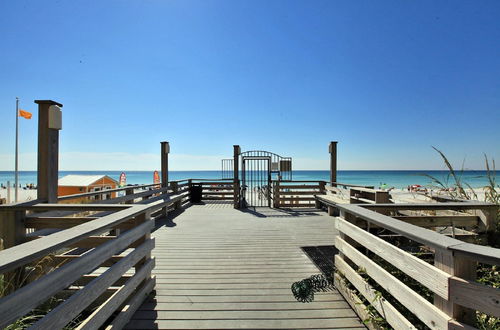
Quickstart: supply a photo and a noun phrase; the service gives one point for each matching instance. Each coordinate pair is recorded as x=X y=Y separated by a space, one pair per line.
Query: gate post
x=277 y=201
x=49 y=124
x=236 y=180
x=333 y=163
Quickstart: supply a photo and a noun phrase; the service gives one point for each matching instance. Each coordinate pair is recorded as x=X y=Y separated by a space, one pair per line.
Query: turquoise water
x=398 y=179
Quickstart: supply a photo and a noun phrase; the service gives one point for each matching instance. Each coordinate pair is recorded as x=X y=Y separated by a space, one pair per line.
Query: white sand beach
x=24 y=195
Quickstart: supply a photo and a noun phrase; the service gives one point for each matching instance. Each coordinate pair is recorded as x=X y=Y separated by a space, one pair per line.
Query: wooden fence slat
x=475 y=296
x=30 y=251
x=66 y=207
x=92 y=241
x=228 y=188
x=132 y=305
x=69 y=309
x=421 y=235
x=283 y=187
x=307 y=193
x=209 y=183
x=289 y=199
x=101 y=192
x=100 y=315
x=210 y=193
x=296 y=205
x=424 y=310
x=28 y=297
x=54 y=222
x=385 y=309
x=426 y=274
x=469 y=205
x=440 y=220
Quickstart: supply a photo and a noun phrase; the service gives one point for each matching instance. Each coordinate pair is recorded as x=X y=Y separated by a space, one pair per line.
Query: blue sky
x=387 y=79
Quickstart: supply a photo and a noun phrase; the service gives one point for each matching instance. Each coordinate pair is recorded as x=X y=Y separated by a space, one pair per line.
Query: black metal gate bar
x=256 y=177
x=227 y=169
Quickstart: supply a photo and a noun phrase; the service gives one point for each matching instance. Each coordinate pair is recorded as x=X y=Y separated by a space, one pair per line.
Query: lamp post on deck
x=165 y=150
x=49 y=124
x=333 y=162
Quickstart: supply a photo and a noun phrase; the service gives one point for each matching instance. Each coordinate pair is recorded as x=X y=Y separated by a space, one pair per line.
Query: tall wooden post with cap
x=49 y=124
x=236 y=172
x=165 y=150
x=333 y=162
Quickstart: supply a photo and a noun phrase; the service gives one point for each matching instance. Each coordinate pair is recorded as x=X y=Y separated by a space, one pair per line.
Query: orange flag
x=25 y=114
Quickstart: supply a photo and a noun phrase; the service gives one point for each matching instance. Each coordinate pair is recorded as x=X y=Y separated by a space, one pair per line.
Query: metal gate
x=256 y=181
x=258 y=169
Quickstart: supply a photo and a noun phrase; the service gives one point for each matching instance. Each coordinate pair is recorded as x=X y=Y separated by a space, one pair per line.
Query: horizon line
x=326 y=170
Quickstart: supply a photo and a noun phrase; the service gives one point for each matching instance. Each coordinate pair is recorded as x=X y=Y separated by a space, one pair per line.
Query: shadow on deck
x=220 y=268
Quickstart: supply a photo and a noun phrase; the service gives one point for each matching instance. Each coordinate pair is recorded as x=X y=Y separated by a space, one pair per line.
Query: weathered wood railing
x=360 y=195
x=296 y=193
x=344 y=193
x=392 y=261
x=93 y=259
x=132 y=193
x=82 y=271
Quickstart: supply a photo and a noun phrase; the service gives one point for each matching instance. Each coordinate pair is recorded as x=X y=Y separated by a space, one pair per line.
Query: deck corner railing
x=388 y=260
x=80 y=264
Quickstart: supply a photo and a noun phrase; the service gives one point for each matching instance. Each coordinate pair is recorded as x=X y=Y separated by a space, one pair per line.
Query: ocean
x=397 y=179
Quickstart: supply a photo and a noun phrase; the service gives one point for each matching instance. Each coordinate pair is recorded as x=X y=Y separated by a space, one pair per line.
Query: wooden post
x=460 y=267
x=175 y=190
x=8 y=192
x=277 y=197
x=12 y=233
x=333 y=162
x=382 y=197
x=322 y=187
x=12 y=230
x=49 y=124
x=129 y=191
x=165 y=150
x=236 y=172
x=190 y=187
x=322 y=191
x=487 y=215
x=140 y=219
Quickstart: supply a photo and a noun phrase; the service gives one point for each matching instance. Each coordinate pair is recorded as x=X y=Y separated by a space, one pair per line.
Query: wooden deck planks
x=219 y=268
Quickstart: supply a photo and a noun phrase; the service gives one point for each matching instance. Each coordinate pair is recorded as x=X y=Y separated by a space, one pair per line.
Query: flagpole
x=17 y=147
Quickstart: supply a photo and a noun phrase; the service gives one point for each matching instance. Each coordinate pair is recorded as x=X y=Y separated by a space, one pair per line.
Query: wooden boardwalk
x=220 y=268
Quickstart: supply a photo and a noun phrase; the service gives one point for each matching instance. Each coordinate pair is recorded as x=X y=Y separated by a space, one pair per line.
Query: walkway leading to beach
x=220 y=268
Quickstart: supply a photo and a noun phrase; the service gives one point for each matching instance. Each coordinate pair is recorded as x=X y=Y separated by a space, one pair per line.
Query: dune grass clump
x=486 y=274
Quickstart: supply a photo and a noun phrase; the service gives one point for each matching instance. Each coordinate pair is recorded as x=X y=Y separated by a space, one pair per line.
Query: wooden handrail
x=418 y=234
x=115 y=236
x=480 y=253
x=431 y=206
x=104 y=191
x=352 y=185
x=299 y=181
x=23 y=253
x=457 y=296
